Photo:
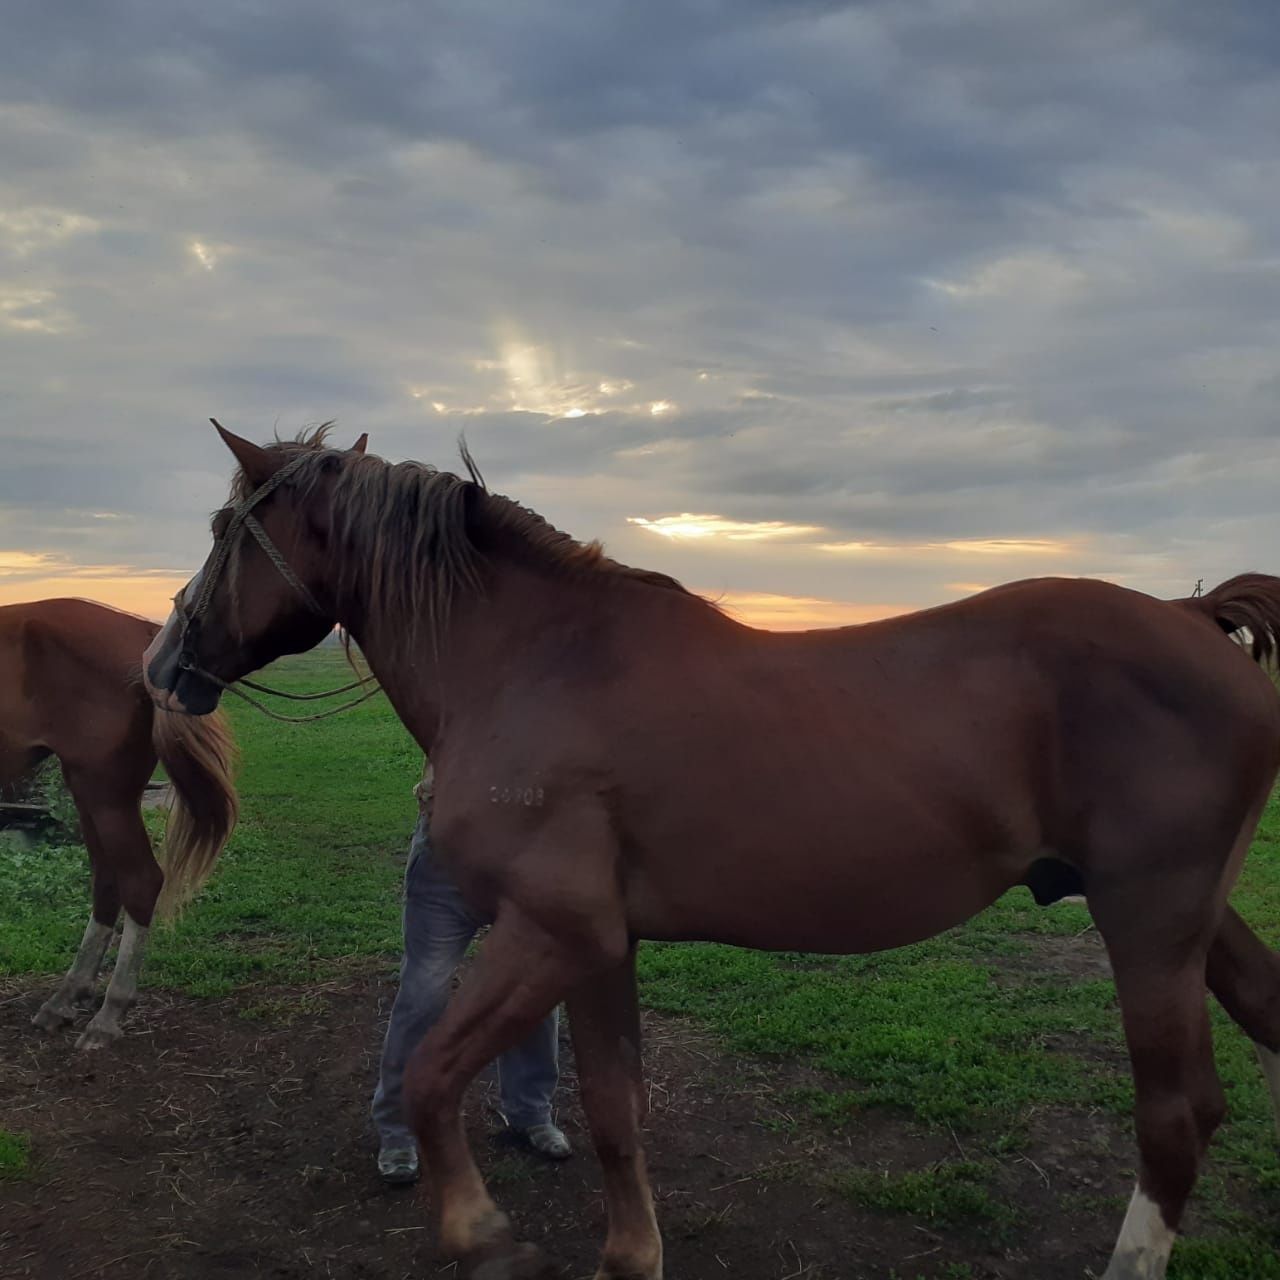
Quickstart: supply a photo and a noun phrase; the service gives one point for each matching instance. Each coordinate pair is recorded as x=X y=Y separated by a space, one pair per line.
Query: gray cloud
x=911 y=273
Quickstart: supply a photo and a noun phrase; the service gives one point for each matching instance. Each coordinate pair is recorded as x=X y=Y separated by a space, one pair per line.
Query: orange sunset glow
x=800 y=613
x=28 y=575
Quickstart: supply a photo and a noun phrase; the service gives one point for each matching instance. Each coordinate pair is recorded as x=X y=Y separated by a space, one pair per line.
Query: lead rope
x=295 y=697
x=308 y=697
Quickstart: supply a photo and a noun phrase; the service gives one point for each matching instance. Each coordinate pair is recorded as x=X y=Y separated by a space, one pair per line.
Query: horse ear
x=359 y=445
x=256 y=462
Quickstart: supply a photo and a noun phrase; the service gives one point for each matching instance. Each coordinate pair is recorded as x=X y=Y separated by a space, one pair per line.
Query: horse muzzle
x=171 y=683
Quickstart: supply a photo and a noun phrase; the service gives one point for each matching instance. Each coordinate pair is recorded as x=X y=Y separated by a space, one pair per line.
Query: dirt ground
x=231 y=1137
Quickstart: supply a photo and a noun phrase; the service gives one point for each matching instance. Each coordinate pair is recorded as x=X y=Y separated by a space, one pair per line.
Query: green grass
x=15 y=1155
x=954 y=1193
x=964 y=1030
x=924 y=1029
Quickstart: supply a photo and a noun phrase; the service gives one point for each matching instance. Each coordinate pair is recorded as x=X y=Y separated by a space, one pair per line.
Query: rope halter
x=242 y=518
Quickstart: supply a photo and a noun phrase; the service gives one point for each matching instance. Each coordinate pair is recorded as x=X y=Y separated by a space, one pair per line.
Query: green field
x=964 y=1032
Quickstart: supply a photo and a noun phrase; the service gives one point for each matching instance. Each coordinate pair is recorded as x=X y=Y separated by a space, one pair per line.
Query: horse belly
x=832 y=899
x=822 y=818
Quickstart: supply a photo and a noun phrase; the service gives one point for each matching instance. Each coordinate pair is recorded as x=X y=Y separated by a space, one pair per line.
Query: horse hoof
x=51 y=1017
x=98 y=1037
x=524 y=1262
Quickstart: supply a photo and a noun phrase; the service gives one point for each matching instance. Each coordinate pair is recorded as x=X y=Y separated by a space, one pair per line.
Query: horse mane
x=418 y=537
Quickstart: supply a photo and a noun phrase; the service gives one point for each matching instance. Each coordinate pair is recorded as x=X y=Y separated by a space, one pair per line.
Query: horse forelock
x=308 y=440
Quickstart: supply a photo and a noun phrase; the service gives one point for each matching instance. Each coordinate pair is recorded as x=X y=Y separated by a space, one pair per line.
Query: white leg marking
x=93 y=950
x=1142 y=1251
x=80 y=979
x=122 y=990
x=1270 y=1060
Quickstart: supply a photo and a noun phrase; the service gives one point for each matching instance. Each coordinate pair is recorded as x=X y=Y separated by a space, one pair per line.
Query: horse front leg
x=605 y=1019
x=521 y=974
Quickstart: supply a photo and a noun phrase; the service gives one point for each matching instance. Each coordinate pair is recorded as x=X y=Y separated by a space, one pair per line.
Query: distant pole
x=1199 y=591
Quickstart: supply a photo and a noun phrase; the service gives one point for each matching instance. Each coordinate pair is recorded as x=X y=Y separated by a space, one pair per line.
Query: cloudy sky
x=831 y=310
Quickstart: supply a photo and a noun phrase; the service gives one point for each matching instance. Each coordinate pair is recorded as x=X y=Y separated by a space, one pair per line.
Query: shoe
x=547 y=1141
x=398 y=1165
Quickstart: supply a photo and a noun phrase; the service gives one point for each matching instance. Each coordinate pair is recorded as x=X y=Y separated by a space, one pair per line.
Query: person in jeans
x=438 y=928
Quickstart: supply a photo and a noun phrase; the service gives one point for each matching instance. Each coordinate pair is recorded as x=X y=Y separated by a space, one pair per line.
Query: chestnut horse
x=70 y=687
x=594 y=729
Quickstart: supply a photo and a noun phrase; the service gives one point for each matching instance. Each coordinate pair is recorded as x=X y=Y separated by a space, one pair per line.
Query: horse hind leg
x=124 y=847
x=122 y=991
x=1158 y=958
x=1244 y=975
x=81 y=980
x=1179 y=1106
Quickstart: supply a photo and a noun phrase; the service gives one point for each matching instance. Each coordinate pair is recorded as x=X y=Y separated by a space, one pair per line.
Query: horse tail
x=1249 y=602
x=198 y=753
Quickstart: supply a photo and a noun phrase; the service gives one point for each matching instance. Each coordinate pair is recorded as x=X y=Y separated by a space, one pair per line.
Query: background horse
x=594 y=730
x=70 y=687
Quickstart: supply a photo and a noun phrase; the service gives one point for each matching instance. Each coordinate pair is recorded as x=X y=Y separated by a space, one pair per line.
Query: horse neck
x=482 y=642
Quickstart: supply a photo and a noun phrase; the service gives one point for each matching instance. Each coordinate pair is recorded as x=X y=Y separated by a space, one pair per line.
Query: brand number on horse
x=530 y=797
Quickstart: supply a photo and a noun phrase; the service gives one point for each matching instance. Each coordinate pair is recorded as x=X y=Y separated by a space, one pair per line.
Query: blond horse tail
x=199 y=754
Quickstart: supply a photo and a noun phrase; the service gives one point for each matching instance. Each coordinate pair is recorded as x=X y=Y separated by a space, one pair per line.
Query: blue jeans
x=438 y=928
